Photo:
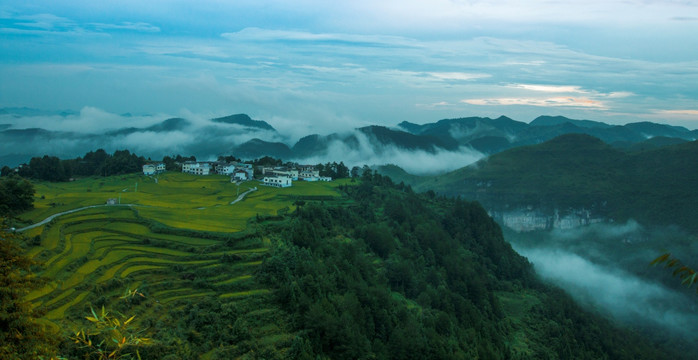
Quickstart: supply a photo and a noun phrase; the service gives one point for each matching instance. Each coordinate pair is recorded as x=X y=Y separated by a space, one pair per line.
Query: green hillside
x=653 y=186
x=330 y=270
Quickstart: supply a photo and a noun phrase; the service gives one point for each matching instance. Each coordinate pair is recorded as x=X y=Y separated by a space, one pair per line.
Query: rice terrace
x=166 y=244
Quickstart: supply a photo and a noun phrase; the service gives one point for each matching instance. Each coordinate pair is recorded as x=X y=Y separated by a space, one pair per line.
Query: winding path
x=242 y=196
x=48 y=219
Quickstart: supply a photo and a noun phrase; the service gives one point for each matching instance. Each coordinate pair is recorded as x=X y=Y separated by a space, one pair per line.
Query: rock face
x=530 y=219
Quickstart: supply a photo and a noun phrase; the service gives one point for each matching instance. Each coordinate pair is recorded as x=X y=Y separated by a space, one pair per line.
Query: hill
x=491 y=136
x=578 y=171
x=244 y=120
x=371 y=270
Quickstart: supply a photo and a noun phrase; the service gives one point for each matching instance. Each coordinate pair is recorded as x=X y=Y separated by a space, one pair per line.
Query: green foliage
x=21 y=337
x=110 y=337
x=580 y=171
x=687 y=274
x=378 y=280
x=16 y=195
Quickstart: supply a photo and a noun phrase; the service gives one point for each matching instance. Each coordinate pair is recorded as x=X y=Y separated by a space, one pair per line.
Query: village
x=277 y=176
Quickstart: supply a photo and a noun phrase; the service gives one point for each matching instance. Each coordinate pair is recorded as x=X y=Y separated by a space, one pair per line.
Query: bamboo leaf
x=129 y=320
x=660 y=259
x=680 y=270
x=690 y=280
x=672 y=263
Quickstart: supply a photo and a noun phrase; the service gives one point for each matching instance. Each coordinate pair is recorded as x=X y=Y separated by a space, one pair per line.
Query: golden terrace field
x=179 y=241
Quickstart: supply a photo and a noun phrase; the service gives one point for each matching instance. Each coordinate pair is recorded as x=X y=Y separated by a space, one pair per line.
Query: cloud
x=135 y=26
x=559 y=101
x=605 y=267
x=685 y=112
x=272 y=35
x=457 y=75
x=619 y=293
x=550 y=88
x=416 y=162
x=572 y=96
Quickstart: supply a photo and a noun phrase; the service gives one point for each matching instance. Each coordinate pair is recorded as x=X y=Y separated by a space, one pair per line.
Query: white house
x=307 y=174
x=292 y=173
x=226 y=169
x=160 y=168
x=149 y=169
x=278 y=181
x=241 y=175
x=196 y=168
x=324 y=178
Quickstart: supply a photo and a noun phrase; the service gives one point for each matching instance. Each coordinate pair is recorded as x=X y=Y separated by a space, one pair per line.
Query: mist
x=69 y=135
x=416 y=162
x=605 y=267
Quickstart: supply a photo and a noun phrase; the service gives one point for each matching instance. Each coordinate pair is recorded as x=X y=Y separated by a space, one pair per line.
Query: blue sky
x=321 y=66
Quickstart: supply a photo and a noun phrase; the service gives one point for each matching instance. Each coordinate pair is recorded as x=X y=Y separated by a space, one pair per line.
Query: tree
x=21 y=337
x=16 y=195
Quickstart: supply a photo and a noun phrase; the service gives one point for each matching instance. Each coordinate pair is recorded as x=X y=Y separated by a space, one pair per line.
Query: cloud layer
x=356 y=63
x=606 y=268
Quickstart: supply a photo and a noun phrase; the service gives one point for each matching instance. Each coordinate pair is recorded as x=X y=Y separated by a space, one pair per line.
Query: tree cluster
x=16 y=195
x=333 y=170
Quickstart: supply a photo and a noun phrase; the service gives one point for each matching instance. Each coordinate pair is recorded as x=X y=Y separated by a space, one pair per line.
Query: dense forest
x=399 y=276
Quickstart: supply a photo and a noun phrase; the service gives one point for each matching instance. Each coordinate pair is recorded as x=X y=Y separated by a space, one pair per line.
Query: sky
x=323 y=66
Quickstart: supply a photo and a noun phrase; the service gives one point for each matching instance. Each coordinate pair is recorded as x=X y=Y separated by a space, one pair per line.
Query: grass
x=182 y=225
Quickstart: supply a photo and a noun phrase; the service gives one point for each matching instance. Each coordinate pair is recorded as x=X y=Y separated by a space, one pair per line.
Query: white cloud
x=457 y=75
x=259 y=34
x=559 y=101
x=135 y=26
x=417 y=162
x=550 y=88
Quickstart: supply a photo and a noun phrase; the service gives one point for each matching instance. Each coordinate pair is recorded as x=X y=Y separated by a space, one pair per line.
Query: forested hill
x=654 y=186
x=390 y=274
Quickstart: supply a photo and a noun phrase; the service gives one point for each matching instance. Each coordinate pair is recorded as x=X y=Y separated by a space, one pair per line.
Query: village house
x=197 y=167
x=152 y=169
x=149 y=169
x=225 y=168
x=278 y=181
x=309 y=174
x=241 y=175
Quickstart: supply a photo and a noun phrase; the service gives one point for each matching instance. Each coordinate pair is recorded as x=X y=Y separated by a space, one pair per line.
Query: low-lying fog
x=606 y=267
x=74 y=134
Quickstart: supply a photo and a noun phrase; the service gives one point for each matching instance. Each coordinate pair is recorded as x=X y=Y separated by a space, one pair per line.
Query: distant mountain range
x=244 y=137
x=491 y=136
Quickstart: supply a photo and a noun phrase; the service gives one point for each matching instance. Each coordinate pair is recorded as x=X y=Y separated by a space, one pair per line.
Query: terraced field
x=182 y=241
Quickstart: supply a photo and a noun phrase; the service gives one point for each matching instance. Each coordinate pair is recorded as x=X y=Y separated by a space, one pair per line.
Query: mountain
x=257 y=148
x=244 y=120
x=578 y=171
x=491 y=136
x=377 y=138
x=558 y=120
x=483 y=134
x=169 y=125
